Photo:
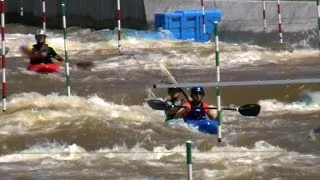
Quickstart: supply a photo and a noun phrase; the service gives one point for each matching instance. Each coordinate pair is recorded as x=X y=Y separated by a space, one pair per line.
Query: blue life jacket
x=197 y=112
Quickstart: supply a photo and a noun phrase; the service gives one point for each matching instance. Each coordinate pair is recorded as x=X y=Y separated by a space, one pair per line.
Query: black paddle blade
x=249 y=110
x=158 y=105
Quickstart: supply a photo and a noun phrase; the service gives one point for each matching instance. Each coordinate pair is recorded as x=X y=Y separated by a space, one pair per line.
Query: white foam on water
x=310 y=102
x=28 y=109
x=39 y=152
x=173 y=53
x=234 y=161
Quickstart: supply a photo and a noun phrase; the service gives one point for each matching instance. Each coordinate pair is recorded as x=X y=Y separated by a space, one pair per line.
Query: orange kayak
x=44 y=68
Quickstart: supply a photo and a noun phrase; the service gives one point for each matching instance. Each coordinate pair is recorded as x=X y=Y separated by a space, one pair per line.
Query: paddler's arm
x=182 y=111
x=172 y=110
x=211 y=115
x=27 y=50
x=59 y=58
x=55 y=55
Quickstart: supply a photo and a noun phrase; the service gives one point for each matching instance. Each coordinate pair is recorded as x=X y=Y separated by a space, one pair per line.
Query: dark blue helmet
x=197 y=90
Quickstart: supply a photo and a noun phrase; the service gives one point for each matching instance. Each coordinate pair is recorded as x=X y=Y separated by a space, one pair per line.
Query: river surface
x=105 y=130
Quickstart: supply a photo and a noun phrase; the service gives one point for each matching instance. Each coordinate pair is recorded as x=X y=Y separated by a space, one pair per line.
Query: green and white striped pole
x=189 y=159
x=318 y=4
x=219 y=110
x=66 y=48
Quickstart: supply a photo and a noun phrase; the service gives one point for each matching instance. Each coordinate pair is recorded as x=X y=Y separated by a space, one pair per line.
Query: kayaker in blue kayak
x=41 y=52
x=196 y=109
x=174 y=99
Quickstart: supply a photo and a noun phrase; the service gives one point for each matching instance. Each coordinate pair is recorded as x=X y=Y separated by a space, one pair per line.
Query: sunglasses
x=198 y=93
x=40 y=36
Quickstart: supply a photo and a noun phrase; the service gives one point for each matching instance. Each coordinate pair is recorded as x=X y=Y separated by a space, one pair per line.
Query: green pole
x=189 y=159
x=318 y=5
x=218 y=90
x=66 y=48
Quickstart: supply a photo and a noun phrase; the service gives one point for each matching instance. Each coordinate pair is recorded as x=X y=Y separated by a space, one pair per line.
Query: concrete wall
x=246 y=15
x=239 y=15
x=96 y=14
x=241 y=20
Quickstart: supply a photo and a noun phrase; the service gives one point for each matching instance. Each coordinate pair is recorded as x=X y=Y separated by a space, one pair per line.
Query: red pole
x=280 y=24
x=264 y=14
x=203 y=21
x=3 y=46
x=44 y=15
x=119 y=25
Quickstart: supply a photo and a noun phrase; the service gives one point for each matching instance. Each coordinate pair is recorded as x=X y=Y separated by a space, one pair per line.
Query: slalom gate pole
x=264 y=14
x=189 y=159
x=119 y=25
x=64 y=21
x=318 y=5
x=44 y=15
x=203 y=20
x=242 y=83
x=218 y=90
x=3 y=57
x=21 y=7
x=280 y=23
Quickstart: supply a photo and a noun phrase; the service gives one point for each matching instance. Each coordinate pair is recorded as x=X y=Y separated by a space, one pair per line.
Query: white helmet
x=40 y=32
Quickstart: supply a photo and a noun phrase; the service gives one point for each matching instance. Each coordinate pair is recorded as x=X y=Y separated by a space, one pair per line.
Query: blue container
x=169 y=21
x=187 y=24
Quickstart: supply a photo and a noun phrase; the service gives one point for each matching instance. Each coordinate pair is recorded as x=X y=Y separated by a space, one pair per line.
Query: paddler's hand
x=25 y=50
x=169 y=104
x=59 y=58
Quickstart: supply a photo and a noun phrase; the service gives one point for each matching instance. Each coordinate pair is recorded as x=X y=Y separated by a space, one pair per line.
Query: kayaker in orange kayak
x=41 y=53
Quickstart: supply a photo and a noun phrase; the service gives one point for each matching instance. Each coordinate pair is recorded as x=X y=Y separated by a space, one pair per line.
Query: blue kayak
x=203 y=125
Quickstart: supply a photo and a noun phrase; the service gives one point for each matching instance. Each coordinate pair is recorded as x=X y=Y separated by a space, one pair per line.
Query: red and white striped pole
x=44 y=15
x=21 y=7
x=119 y=25
x=264 y=14
x=280 y=24
x=203 y=20
x=318 y=5
x=3 y=46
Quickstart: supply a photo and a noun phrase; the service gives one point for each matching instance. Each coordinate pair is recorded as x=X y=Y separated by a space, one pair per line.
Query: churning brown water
x=105 y=130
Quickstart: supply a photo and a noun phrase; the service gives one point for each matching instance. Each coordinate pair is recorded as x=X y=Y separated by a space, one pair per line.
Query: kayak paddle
x=245 y=110
x=158 y=105
x=166 y=72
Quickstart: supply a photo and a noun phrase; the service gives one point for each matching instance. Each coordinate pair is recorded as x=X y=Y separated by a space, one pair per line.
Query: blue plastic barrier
x=187 y=24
